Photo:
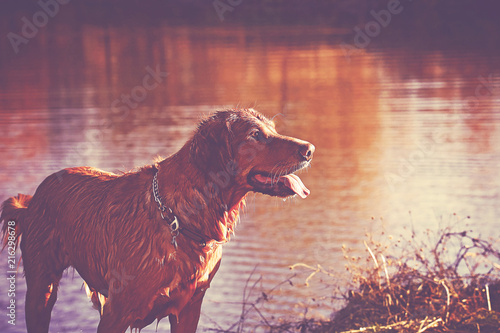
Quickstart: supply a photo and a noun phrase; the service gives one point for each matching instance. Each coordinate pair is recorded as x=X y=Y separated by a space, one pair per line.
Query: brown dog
x=148 y=242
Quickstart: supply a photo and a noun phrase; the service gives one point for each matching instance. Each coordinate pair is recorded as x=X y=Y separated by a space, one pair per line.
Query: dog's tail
x=13 y=211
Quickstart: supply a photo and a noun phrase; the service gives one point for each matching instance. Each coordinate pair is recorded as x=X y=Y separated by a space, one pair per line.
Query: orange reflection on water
x=389 y=126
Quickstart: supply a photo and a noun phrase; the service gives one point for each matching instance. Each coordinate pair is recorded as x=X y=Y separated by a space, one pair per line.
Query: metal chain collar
x=175 y=229
x=172 y=221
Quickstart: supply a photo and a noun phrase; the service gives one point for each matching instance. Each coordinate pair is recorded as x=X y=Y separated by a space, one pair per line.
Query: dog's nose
x=306 y=151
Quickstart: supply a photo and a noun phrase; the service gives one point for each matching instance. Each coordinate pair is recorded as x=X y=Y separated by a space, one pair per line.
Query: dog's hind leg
x=43 y=267
x=41 y=296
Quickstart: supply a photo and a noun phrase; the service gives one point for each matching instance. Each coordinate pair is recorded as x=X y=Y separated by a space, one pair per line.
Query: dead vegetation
x=447 y=281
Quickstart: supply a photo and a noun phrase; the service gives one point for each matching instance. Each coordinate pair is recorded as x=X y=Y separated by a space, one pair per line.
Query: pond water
x=395 y=129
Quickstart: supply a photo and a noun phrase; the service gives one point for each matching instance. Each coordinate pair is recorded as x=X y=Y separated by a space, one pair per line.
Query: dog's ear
x=211 y=148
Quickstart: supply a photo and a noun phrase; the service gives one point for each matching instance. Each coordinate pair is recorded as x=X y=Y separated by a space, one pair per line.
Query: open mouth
x=280 y=186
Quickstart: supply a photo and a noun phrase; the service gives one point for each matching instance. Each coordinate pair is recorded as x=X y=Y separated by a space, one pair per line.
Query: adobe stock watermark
x=118 y=282
x=486 y=88
x=96 y=129
x=408 y=166
x=223 y=6
x=11 y=234
x=222 y=178
x=138 y=94
x=30 y=28
x=363 y=37
x=121 y=108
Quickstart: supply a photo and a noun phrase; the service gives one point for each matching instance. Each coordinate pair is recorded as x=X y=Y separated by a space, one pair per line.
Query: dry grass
x=429 y=282
x=449 y=281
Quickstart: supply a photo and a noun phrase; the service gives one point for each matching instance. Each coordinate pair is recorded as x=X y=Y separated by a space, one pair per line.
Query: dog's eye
x=256 y=134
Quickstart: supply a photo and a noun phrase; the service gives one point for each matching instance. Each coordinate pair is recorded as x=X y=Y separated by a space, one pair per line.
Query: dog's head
x=243 y=147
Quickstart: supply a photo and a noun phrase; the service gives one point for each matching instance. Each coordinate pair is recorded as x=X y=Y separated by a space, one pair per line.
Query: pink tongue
x=291 y=181
x=295 y=184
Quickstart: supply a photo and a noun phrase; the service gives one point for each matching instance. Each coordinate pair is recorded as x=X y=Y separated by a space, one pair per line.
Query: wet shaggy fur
x=109 y=228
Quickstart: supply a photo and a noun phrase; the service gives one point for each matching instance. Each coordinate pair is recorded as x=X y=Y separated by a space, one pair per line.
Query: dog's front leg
x=188 y=318
x=111 y=321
